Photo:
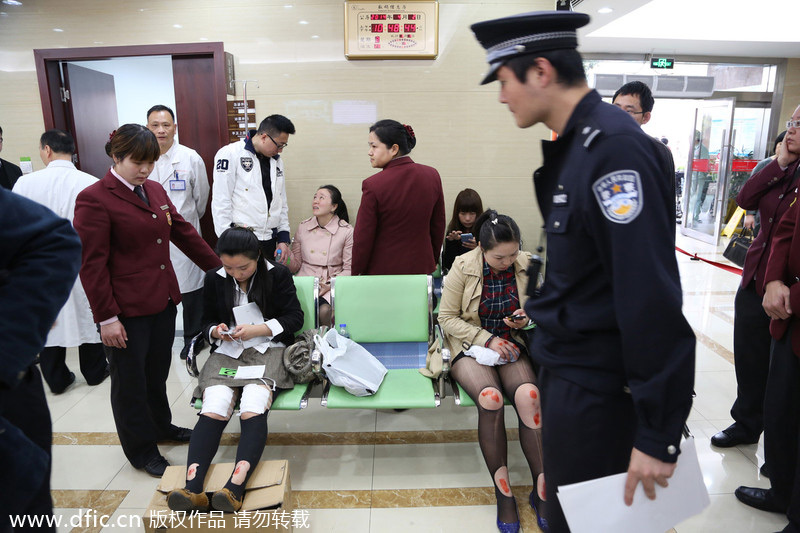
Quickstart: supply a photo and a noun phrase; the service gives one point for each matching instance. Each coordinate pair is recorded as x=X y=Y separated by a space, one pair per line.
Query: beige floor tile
x=85 y=467
x=434 y=520
x=337 y=521
x=727 y=514
x=325 y=467
x=129 y=520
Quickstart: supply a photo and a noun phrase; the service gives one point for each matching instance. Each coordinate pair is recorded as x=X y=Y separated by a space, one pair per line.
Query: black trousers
x=55 y=372
x=192 y=313
x=585 y=435
x=139 y=384
x=268 y=248
x=782 y=426
x=751 y=348
x=25 y=407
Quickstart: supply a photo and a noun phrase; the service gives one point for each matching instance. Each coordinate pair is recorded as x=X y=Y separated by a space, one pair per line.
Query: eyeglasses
x=792 y=124
x=632 y=112
x=280 y=146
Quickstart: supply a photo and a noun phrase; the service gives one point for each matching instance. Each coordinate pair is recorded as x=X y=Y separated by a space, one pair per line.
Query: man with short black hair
x=250 y=186
x=182 y=173
x=616 y=354
x=636 y=99
x=57 y=187
x=9 y=172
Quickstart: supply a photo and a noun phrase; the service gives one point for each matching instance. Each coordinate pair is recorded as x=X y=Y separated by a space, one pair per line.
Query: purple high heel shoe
x=541 y=521
x=504 y=527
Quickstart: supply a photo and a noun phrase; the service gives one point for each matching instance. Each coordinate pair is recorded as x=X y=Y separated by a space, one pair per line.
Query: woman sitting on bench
x=245 y=277
x=482 y=307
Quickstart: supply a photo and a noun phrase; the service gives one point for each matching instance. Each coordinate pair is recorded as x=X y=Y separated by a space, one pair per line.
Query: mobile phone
x=466 y=237
x=516 y=318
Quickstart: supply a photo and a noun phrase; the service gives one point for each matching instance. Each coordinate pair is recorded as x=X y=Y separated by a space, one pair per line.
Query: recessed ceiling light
x=203 y=38
x=604 y=10
x=12 y=2
x=59 y=30
x=178 y=26
x=288 y=6
x=315 y=36
x=98 y=42
x=303 y=22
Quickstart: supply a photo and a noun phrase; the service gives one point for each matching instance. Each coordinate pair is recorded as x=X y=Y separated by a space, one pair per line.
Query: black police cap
x=527 y=33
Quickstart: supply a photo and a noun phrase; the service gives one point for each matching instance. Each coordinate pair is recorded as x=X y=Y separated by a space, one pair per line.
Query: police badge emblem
x=247 y=163
x=619 y=195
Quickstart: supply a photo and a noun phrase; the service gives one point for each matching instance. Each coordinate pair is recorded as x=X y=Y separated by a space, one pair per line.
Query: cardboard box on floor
x=267 y=504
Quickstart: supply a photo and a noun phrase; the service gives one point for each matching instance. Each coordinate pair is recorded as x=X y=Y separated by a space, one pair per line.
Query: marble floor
x=421 y=471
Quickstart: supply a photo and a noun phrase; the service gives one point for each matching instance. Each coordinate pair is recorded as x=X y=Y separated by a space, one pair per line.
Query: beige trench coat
x=461 y=294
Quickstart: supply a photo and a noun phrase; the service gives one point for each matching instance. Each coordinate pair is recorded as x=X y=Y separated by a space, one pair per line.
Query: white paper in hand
x=598 y=505
x=249 y=313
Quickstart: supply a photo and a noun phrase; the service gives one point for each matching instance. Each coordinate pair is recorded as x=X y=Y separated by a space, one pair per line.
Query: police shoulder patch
x=619 y=195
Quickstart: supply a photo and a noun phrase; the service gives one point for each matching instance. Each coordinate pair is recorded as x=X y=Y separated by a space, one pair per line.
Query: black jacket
x=282 y=304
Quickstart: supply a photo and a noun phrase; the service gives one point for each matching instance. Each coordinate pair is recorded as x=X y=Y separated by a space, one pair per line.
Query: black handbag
x=738 y=246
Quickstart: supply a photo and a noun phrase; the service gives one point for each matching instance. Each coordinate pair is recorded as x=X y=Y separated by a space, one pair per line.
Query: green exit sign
x=662 y=62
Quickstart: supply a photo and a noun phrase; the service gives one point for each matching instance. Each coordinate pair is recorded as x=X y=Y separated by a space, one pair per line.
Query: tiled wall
x=461 y=128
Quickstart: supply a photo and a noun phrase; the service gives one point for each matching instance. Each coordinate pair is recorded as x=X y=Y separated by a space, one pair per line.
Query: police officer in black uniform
x=615 y=351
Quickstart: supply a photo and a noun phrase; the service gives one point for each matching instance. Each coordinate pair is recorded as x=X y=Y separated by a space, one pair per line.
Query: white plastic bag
x=348 y=364
x=485 y=356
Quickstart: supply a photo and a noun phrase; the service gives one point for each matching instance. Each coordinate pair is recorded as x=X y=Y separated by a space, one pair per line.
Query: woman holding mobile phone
x=246 y=276
x=458 y=236
x=482 y=307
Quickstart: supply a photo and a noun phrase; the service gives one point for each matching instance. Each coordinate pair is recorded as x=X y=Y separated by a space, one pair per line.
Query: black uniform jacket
x=609 y=314
x=282 y=304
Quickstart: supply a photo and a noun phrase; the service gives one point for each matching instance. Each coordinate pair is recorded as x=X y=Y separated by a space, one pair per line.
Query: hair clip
x=409 y=130
x=111 y=135
x=494 y=221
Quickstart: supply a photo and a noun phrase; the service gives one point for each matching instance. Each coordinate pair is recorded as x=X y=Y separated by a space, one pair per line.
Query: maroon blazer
x=126 y=268
x=401 y=220
x=771 y=191
x=784 y=265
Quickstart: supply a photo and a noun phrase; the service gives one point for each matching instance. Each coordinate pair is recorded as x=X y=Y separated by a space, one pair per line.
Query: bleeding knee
x=529 y=406
x=501 y=481
x=490 y=399
x=240 y=473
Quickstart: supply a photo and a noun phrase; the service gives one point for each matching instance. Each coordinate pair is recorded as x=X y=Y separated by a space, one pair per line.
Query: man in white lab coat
x=182 y=173
x=56 y=187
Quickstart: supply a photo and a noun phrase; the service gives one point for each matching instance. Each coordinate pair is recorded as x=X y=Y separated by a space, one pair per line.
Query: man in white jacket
x=182 y=173
x=250 y=186
x=56 y=187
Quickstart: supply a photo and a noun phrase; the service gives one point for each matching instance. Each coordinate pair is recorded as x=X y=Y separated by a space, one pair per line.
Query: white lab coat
x=56 y=187
x=190 y=203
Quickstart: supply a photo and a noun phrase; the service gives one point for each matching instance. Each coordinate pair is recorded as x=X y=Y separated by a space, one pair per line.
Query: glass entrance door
x=708 y=170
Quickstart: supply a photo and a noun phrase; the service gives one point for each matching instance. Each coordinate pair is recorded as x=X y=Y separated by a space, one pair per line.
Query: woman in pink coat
x=323 y=245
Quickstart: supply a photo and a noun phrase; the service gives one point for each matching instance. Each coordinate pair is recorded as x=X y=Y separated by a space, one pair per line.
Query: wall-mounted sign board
x=381 y=30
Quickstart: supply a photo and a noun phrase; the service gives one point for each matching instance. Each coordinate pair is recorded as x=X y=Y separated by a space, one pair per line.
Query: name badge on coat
x=177 y=184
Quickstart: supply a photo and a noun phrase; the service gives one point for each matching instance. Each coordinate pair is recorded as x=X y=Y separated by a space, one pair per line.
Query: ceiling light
x=303 y=22
x=12 y=2
x=203 y=38
x=178 y=26
x=604 y=10
x=59 y=30
x=315 y=36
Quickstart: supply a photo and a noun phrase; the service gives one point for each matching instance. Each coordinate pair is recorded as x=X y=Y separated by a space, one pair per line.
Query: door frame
x=48 y=60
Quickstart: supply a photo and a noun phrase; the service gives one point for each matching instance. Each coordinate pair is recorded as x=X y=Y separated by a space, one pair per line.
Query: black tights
x=517 y=381
x=205 y=442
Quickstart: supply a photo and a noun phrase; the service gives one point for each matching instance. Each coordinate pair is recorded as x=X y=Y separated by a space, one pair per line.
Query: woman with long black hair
x=247 y=285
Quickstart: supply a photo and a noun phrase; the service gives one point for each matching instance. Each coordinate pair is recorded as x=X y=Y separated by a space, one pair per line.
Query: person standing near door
x=125 y=222
x=57 y=187
x=250 y=187
x=616 y=382
x=9 y=172
x=182 y=173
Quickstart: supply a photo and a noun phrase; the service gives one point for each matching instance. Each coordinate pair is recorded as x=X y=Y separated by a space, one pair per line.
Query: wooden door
x=92 y=110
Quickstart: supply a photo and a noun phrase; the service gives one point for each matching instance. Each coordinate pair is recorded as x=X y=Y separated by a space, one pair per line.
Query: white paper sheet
x=249 y=313
x=230 y=348
x=250 y=372
x=598 y=505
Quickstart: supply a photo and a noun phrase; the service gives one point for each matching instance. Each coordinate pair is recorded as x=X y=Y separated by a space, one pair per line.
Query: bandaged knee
x=218 y=399
x=255 y=399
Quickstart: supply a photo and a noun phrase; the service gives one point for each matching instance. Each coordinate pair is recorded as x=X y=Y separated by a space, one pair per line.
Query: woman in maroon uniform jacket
x=126 y=223
x=401 y=220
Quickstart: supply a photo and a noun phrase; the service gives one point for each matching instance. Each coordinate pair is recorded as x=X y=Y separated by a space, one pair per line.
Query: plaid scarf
x=499 y=299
